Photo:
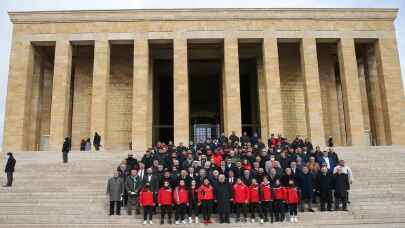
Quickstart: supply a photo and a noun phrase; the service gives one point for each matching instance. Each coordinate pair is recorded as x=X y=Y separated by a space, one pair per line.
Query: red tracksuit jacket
x=240 y=193
x=254 y=195
x=267 y=195
x=146 y=198
x=292 y=195
x=205 y=192
x=180 y=195
x=279 y=193
x=165 y=196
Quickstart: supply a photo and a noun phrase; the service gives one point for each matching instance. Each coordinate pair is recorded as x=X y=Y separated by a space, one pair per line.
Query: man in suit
x=133 y=185
x=325 y=159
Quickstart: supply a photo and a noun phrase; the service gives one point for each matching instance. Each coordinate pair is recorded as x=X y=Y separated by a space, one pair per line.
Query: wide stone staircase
x=48 y=193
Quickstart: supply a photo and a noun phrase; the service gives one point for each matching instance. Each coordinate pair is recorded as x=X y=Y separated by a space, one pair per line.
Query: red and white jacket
x=165 y=196
x=266 y=193
x=240 y=193
x=205 y=192
x=254 y=193
x=292 y=196
x=180 y=195
x=146 y=198
x=279 y=193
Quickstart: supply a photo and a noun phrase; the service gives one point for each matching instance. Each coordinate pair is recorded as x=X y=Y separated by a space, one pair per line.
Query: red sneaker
x=205 y=222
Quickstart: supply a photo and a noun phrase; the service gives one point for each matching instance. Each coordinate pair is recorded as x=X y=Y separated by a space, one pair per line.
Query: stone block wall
x=292 y=90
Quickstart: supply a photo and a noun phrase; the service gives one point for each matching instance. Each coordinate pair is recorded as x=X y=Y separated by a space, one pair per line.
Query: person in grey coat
x=133 y=185
x=115 y=189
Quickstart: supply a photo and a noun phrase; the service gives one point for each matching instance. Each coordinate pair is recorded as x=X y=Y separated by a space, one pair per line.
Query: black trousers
x=114 y=204
x=193 y=210
x=255 y=208
x=241 y=207
x=293 y=208
x=341 y=199
x=133 y=202
x=9 y=178
x=65 y=157
x=267 y=208
x=147 y=213
x=166 y=209
x=279 y=211
x=206 y=207
x=181 y=210
x=326 y=200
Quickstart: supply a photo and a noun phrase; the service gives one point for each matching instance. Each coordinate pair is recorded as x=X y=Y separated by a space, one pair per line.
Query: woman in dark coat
x=65 y=149
x=341 y=186
x=223 y=196
x=306 y=186
x=324 y=183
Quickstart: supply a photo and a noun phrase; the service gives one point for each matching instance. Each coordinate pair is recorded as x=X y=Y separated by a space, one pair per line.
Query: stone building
x=139 y=76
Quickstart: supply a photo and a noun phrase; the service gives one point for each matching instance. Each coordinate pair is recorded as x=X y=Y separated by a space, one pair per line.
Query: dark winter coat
x=133 y=184
x=10 y=164
x=115 y=188
x=66 y=145
x=307 y=186
x=324 y=184
x=223 y=195
x=341 y=185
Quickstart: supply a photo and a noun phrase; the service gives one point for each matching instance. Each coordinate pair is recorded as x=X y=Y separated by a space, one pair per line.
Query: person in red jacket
x=266 y=196
x=254 y=201
x=165 y=201
x=278 y=203
x=292 y=200
x=240 y=198
x=217 y=157
x=181 y=201
x=146 y=201
x=205 y=199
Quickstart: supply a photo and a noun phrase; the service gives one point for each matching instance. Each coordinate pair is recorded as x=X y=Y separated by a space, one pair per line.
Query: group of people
x=85 y=145
x=240 y=175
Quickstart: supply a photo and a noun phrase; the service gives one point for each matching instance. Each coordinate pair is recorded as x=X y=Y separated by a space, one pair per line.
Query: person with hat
x=9 y=169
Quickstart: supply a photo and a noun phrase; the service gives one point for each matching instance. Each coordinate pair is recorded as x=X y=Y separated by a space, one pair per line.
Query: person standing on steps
x=65 y=149
x=97 y=141
x=115 y=189
x=9 y=170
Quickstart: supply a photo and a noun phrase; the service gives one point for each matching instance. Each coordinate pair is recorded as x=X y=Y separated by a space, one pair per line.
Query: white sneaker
x=184 y=222
x=296 y=219
x=150 y=222
x=252 y=220
x=145 y=222
x=190 y=220
x=261 y=221
x=177 y=222
x=196 y=220
x=292 y=219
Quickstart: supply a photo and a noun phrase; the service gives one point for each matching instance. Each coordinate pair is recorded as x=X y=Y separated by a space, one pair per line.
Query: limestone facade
x=321 y=73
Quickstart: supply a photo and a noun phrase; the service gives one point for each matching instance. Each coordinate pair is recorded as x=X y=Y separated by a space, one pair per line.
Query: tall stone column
x=18 y=96
x=351 y=92
x=180 y=92
x=261 y=86
x=392 y=90
x=273 y=86
x=231 y=88
x=141 y=94
x=60 y=94
x=99 y=95
x=312 y=88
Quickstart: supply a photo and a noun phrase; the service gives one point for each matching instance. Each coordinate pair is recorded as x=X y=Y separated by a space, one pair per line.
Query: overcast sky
x=29 y=5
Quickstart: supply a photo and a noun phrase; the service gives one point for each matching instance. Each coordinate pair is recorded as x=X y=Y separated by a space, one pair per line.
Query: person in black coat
x=65 y=149
x=324 y=183
x=341 y=186
x=223 y=196
x=306 y=186
x=9 y=170
x=97 y=141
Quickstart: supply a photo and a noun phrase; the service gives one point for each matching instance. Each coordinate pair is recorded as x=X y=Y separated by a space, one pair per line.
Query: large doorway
x=204 y=72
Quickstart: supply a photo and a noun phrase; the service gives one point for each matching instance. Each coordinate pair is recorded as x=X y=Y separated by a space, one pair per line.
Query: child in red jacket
x=254 y=201
x=278 y=203
x=266 y=196
x=181 y=201
x=292 y=199
x=240 y=198
x=205 y=199
x=165 y=201
x=146 y=201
